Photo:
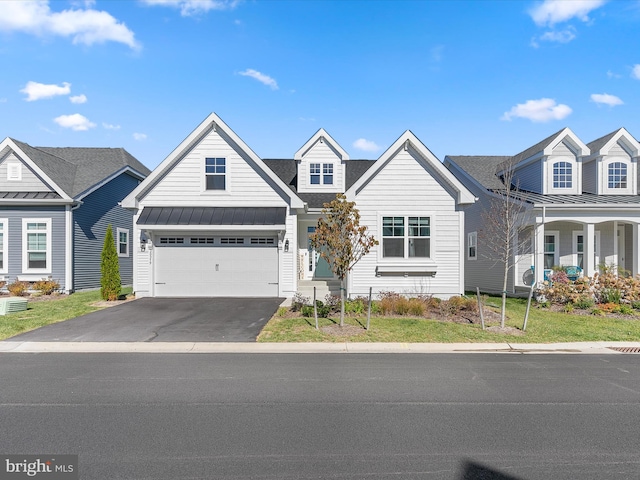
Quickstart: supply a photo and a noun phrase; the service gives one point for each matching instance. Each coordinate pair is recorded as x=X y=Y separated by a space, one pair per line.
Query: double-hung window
x=472 y=246
x=36 y=245
x=314 y=174
x=215 y=171
x=550 y=250
x=617 y=175
x=406 y=237
x=321 y=171
x=123 y=242
x=327 y=173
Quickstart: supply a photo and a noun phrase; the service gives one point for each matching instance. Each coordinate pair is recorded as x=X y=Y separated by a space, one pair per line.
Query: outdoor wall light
x=143 y=245
x=286 y=245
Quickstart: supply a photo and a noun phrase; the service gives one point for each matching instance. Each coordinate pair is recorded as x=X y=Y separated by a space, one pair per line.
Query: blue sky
x=467 y=77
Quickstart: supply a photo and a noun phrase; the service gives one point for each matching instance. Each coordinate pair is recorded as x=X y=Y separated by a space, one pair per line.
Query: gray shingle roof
x=538 y=147
x=482 y=168
x=598 y=143
x=286 y=170
x=77 y=169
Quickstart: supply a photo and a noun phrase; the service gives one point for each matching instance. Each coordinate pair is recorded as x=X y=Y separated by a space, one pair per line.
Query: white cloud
x=550 y=12
x=562 y=36
x=635 y=73
x=261 y=77
x=194 y=7
x=82 y=98
x=139 y=136
x=611 y=74
x=542 y=110
x=38 y=91
x=606 y=99
x=109 y=126
x=366 y=145
x=85 y=26
x=75 y=122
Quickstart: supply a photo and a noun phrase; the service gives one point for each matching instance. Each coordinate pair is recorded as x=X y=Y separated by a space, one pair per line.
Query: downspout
x=68 y=274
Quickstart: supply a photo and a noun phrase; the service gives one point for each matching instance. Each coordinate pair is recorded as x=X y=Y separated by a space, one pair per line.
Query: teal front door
x=318 y=267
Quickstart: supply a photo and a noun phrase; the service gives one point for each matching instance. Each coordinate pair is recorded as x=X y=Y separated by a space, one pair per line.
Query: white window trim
x=628 y=190
x=25 y=262
x=332 y=174
x=14 y=167
x=204 y=174
x=574 y=244
x=118 y=232
x=472 y=236
x=5 y=245
x=556 y=242
x=406 y=259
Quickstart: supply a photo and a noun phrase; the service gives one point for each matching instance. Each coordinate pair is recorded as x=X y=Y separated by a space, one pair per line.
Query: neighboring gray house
x=580 y=201
x=214 y=219
x=55 y=205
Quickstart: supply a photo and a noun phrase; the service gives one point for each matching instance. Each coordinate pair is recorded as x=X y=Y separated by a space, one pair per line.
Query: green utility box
x=12 y=304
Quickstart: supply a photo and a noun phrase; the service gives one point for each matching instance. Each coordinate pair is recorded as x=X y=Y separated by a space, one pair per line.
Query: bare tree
x=503 y=227
x=341 y=240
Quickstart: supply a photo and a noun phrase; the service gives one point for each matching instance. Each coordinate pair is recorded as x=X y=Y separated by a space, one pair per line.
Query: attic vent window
x=14 y=172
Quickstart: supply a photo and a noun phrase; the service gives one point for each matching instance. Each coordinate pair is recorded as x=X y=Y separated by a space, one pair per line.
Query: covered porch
x=589 y=242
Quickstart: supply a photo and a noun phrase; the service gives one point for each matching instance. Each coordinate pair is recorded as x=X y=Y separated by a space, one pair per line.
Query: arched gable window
x=562 y=175
x=617 y=175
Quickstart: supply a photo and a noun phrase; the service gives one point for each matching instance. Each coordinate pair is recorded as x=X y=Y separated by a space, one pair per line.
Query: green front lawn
x=544 y=326
x=42 y=312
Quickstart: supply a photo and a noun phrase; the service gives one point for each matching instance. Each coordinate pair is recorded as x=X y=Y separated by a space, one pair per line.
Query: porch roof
x=583 y=199
x=212 y=216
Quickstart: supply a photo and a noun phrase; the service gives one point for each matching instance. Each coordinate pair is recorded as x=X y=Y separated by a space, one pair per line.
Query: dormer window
x=314 y=171
x=327 y=174
x=317 y=170
x=617 y=175
x=562 y=175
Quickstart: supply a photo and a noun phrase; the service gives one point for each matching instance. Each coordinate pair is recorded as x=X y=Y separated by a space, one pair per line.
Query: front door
x=317 y=266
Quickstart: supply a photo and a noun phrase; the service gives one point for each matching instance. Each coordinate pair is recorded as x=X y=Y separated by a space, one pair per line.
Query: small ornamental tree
x=110 y=279
x=341 y=240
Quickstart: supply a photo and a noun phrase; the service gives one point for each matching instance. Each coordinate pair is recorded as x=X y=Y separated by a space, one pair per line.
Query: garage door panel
x=216 y=271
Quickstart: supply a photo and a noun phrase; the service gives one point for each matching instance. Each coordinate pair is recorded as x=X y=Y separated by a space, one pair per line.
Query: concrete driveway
x=164 y=320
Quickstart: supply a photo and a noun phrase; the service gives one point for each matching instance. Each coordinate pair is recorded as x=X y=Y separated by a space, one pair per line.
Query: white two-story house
x=215 y=219
x=579 y=201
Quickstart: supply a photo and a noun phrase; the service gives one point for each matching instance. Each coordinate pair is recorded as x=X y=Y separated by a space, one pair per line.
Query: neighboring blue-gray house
x=55 y=205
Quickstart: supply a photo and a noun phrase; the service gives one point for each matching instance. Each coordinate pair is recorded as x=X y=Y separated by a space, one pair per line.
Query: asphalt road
x=267 y=416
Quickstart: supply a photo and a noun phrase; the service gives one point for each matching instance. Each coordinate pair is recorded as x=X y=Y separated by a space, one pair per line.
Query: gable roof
x=404 y=141
x=212 y=122
x=602 y=145
x=320 y=136
x=287 y=170
x=480 y=169
x=72 y=171
x=546 y=146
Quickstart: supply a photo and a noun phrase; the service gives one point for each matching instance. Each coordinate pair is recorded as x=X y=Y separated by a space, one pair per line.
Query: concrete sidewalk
x=344 y=347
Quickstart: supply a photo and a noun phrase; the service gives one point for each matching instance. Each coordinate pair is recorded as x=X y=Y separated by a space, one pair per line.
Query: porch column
x=616 y=254
x=635 y=266
x=539 y=253
x=588 y=259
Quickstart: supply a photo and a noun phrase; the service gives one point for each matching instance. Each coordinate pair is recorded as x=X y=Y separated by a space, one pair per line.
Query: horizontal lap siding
x=529 y=177
x=184 y=184
x=100 y=209
x=405 y=187
x=30 y=181
x=14 y=253
x=320 y=153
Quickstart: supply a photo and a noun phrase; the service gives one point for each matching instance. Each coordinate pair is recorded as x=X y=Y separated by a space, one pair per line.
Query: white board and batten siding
x=404 y=187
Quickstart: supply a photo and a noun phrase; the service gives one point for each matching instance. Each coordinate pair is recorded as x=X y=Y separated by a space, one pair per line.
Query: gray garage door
x=215 y=271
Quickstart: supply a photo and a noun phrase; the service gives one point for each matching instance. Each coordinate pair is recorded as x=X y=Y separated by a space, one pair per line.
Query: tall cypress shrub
x=110 y=279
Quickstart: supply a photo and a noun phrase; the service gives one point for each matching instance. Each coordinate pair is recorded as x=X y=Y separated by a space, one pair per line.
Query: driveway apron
x=164 y=320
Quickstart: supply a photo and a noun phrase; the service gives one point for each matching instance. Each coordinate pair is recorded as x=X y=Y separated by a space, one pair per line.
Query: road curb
x=307 y=348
